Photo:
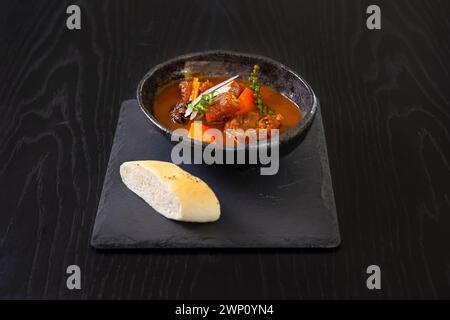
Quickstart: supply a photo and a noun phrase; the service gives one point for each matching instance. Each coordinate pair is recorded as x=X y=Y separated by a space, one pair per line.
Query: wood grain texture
x=386 y=110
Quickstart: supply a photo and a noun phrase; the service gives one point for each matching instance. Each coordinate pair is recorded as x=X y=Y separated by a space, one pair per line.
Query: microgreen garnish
x=256 y=87
x=202 y=105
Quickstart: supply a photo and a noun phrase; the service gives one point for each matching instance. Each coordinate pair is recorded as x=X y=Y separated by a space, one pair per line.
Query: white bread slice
x=173 y=192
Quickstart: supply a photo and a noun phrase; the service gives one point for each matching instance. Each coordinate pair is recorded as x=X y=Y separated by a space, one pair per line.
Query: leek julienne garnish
x=200 y=104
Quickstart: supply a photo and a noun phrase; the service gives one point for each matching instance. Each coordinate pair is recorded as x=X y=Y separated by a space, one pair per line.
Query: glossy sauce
x=170 y=95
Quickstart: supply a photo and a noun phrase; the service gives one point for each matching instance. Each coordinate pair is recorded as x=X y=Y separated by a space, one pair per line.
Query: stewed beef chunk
x=270 y=122
x=205 y=85
x=185 y=89
x=176 y=114
x=224 y=107
x=244 y=122
x=235 y=89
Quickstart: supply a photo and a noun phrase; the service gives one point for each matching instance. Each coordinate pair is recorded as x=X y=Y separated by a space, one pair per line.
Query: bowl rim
x=300 y=127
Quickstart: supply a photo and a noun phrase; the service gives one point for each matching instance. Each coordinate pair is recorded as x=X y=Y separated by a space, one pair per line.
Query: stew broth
x=170 y=96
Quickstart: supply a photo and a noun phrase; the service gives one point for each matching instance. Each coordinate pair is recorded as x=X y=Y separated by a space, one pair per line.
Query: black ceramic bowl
x=224 y=64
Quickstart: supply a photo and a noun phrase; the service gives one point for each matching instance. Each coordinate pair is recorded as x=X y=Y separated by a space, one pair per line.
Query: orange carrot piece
x=195 y=89
x=198 y=130
x=246 y=101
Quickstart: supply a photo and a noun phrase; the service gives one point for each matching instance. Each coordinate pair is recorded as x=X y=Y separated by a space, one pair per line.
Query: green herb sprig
x=202 y=105
x=256 y=88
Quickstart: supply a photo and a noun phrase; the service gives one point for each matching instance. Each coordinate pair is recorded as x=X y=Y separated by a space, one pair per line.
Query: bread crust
x=196 y=200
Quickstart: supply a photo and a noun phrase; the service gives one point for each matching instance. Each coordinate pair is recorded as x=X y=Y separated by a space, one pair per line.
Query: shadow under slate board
x=293 y=209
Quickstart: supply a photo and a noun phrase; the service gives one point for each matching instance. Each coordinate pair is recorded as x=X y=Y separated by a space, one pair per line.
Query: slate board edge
x=115 y=148
x=327 y=191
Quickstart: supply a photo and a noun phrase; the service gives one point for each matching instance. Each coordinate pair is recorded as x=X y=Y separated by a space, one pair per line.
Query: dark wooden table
x=386 y=108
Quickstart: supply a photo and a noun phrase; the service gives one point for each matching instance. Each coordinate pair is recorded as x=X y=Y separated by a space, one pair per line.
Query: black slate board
x=293 y=209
